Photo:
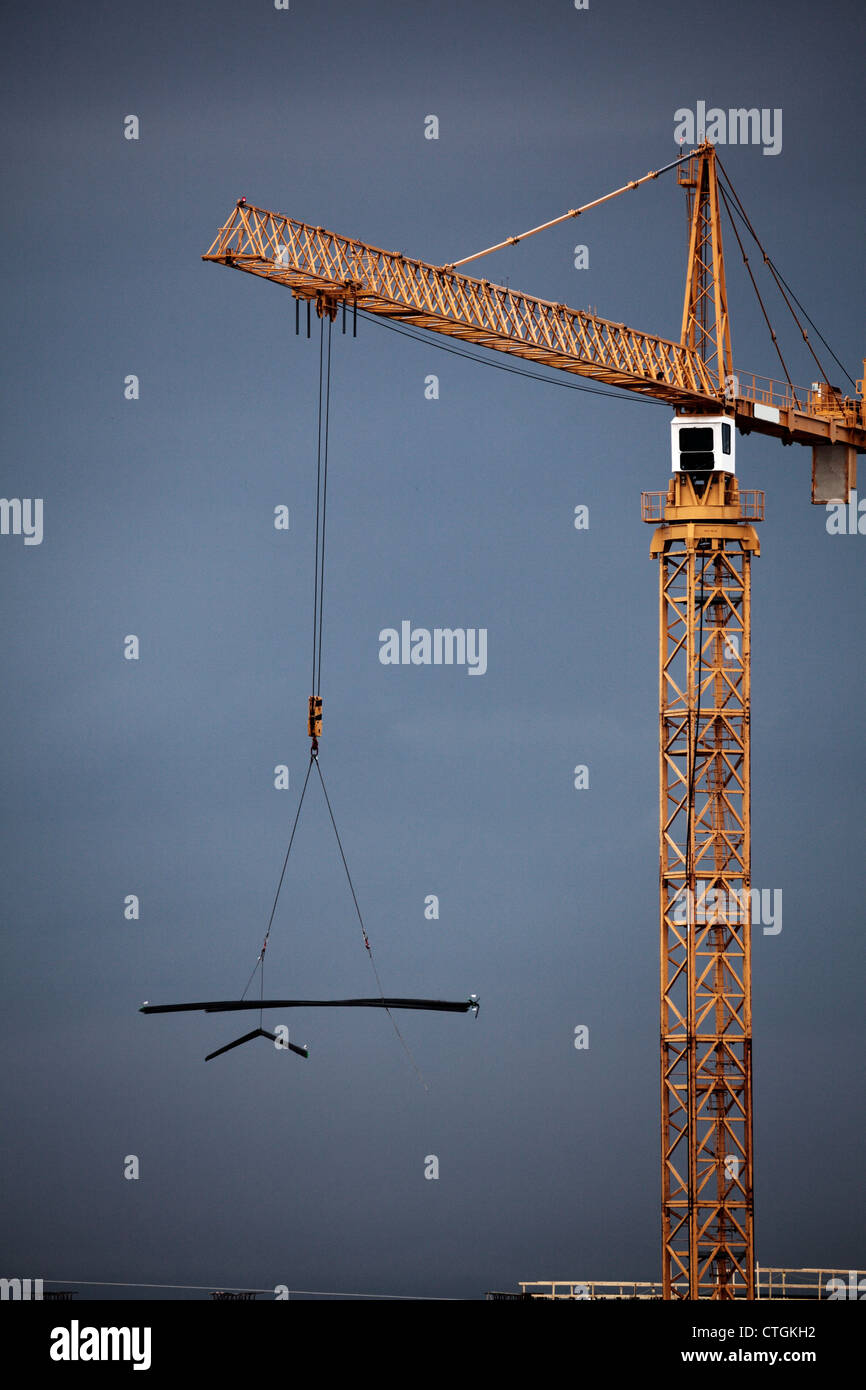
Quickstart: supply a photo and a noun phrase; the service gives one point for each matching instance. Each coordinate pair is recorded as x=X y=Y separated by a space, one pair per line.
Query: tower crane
x=704 y=540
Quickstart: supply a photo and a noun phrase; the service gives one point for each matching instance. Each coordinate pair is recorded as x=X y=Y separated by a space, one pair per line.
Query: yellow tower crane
x=704 y=541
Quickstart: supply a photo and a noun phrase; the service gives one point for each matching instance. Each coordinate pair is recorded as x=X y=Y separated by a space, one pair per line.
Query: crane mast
x=705 y=548
x=704 y=541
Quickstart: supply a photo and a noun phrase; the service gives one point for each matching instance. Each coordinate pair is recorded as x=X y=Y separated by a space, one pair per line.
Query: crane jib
x=321 y=266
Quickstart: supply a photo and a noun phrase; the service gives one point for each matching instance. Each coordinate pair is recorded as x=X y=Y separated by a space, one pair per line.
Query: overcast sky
x=155 y=777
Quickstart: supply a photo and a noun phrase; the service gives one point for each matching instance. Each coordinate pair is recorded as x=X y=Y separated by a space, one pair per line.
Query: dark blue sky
x=155 y=777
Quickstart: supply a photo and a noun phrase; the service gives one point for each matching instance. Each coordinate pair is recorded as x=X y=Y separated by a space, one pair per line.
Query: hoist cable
x=386 y=1003
x=318 y=507
x=324 y=403
x=323 y=419
x=323 y=429
x=321 y=497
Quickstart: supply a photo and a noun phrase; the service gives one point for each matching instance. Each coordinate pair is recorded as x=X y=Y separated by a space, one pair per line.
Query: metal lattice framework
x=773 y=1284
x=328 y=269
x=706 y=1024
x=319 y=264
x=705 y=546
x=706 y=328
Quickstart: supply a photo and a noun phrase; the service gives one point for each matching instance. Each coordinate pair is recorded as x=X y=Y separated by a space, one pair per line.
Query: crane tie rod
x=780 y=282
x=575 y=212
x=770 y=328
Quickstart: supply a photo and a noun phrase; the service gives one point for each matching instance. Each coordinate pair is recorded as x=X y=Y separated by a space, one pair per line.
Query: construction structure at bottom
x=770 y=1285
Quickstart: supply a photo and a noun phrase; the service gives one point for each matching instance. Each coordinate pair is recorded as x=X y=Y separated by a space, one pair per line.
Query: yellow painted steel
x=776 y=1285
x=706 y=328
x=704 y=544
x=704 y=881
x=314 y=717
x=328 y=269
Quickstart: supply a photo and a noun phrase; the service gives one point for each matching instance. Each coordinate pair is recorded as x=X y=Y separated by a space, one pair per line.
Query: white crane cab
x=702 y=444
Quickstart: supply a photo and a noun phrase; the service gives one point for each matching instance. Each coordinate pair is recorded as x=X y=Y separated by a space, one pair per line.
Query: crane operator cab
x=701 y=445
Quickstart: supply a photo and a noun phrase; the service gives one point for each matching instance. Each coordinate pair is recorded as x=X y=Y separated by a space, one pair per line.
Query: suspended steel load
x=327 y=313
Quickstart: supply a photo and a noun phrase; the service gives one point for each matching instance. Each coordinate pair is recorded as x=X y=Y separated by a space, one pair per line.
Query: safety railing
x=770 y=1284
x=652 y=505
